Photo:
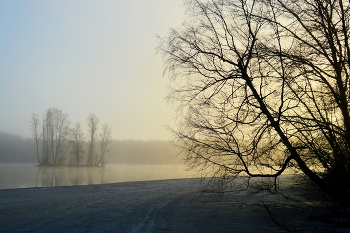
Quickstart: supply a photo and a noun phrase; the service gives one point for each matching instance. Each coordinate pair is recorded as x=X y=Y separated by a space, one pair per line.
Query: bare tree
x=55 y=135
x=77 y=141
x=262 y=87
x=34 y=126
x=105 y=140
x=47 y=128
x=92 y=122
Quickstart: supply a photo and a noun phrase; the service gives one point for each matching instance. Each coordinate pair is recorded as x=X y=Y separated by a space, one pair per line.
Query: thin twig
x=274 y=220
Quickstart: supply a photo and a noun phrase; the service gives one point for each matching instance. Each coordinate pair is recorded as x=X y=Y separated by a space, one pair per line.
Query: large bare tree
x=262 y=86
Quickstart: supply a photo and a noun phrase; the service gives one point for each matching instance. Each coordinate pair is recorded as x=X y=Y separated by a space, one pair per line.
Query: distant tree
x=55 y=135
x=92 y=123
x=45 y=143
x=77 y=141
x=34 y=126
x=264 y=86
x=104 y=141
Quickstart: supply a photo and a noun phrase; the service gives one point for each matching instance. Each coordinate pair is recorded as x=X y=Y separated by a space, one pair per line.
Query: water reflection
x=69 y=176
x=27 y=175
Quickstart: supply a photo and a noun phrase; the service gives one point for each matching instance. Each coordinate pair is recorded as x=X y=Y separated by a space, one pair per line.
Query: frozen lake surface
x=28 y=175
x=149 y=206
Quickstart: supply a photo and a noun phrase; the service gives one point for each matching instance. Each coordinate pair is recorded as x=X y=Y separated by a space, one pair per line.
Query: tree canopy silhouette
x=262 y=86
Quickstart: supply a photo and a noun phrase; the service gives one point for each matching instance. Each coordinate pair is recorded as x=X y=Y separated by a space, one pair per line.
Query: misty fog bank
x=16 y=149
x=142 y=152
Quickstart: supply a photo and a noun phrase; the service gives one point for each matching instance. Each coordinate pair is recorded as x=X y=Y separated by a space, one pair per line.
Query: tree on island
x=55 y=133
x=262 y=87
x=105 y=140
x=34 y=126
x=77 y=141
x=92 y=123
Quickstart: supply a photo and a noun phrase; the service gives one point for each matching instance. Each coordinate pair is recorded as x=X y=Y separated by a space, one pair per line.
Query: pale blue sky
x=86 y=56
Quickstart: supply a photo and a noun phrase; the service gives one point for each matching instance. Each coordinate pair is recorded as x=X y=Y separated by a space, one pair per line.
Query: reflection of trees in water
x=51 y=176
x=95 y=175
x=69 y=176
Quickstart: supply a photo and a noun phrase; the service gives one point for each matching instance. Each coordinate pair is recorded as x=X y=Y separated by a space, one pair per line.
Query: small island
x=59 y=144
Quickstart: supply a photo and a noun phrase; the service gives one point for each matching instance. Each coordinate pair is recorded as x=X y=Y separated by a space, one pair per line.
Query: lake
x=28 y=175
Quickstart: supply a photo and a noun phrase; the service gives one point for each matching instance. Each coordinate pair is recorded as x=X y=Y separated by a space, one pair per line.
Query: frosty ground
x=152 y=206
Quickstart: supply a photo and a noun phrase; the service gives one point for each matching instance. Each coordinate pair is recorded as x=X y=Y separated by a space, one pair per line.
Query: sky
x=86 y=56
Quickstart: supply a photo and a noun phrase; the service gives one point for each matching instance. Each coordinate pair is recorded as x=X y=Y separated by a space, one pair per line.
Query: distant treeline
x=142 y=152
x=16 y=149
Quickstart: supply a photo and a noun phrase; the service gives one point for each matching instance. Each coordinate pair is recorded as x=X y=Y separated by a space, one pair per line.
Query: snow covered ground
x=148 y=206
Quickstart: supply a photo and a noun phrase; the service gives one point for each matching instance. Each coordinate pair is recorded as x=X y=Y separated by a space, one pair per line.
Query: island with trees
x=60 y=144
